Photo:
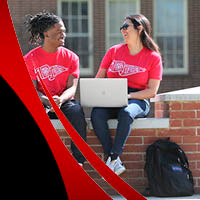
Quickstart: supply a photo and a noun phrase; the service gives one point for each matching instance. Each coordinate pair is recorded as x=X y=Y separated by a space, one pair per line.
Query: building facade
x=93 y=26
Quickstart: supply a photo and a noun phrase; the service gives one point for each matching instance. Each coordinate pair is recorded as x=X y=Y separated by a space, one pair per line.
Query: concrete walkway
x=194 y=197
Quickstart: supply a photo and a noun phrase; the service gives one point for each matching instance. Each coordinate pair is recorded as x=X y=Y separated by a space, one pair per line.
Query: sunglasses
x=124 y=26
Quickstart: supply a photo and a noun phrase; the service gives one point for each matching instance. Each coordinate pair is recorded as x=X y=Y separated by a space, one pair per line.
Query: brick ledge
x=190 y=94
x=142 y=123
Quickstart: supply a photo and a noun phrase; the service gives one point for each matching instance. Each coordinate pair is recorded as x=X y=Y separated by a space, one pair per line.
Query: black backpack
x=167 y=170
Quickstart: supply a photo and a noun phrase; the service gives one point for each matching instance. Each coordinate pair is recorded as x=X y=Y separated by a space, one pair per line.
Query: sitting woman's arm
x=150 y=92
x=101 y=73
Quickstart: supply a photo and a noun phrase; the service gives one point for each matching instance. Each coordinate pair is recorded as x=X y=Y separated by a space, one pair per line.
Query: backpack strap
x=153 y=159
x=183 y=158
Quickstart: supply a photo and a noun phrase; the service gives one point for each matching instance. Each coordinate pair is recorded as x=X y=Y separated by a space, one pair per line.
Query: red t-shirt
x=138 y=69
x=53 y=68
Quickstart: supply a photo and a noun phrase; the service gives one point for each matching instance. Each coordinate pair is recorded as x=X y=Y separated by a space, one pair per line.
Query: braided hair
x=38 y=24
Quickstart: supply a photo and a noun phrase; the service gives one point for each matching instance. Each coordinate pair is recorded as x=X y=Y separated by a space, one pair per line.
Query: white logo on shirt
x=124 y=69
x=50 y=72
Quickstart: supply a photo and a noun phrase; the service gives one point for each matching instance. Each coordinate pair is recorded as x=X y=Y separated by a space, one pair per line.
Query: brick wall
x=99 y=32
x=19 y=8
x=184 y=116
x=177 y=82
x=184 y=129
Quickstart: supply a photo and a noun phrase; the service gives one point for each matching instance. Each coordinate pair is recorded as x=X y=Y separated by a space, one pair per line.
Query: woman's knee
x=132 y=111
x=124 y=114
x=98 y=113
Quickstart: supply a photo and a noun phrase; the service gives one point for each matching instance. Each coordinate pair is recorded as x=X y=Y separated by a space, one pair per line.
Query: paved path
x=194 y=197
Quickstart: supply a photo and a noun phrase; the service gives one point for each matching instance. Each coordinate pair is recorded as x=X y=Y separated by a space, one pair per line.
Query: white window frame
x=175 y=70
x=89 y=70
x=108 y=20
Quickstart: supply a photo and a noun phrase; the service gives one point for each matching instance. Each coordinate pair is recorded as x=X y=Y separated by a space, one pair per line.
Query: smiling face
x=55 y=36
x=129 y=32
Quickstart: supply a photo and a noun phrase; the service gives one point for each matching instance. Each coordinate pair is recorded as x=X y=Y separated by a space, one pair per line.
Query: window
x=170 y=32
x=76 y=15
x=116 y=11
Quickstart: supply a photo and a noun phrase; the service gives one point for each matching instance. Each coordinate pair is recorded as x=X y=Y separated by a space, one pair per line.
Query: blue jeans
x=74 y=113
x=125 y=115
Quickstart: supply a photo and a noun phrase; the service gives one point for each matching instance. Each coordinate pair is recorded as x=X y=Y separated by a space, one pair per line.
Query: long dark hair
x=147 y=41
x=38 y=24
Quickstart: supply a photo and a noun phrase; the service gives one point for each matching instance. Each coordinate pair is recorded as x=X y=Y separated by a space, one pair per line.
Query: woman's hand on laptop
x=129 y=96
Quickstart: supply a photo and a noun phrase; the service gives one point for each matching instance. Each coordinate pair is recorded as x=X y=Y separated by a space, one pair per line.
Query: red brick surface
x=184 y=130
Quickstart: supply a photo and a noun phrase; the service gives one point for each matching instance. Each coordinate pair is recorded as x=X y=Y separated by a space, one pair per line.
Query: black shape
x=28 y=168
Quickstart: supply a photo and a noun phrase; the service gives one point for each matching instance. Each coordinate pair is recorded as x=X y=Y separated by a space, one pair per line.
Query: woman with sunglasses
x=138 y=60
x=58 y=67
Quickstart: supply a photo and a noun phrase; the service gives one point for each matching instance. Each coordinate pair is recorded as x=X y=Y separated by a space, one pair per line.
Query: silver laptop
x=103 y=92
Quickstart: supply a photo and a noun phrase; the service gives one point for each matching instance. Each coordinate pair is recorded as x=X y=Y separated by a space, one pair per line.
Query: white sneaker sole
x=120 y=171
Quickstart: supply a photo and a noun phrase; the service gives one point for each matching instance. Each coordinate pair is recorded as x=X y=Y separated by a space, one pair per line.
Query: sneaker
x=108 y=160
x=80 y=164
x=119 y=167
x=111 y=164
x=116 y=165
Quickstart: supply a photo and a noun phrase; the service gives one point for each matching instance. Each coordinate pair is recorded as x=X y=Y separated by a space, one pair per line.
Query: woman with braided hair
x=58 y=67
